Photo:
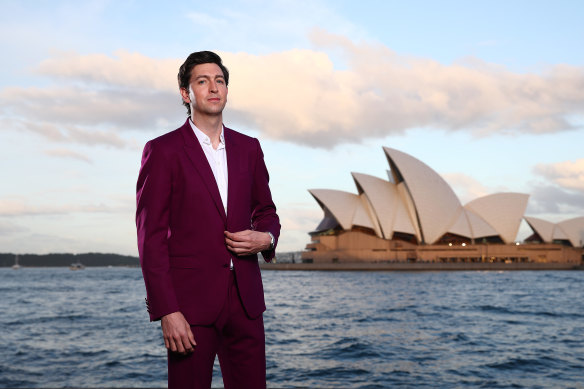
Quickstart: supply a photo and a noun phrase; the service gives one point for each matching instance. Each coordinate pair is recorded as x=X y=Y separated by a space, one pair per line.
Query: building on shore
x=415 y=216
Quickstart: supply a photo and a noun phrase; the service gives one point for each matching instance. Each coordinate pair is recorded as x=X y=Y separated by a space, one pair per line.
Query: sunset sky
x=488 y=94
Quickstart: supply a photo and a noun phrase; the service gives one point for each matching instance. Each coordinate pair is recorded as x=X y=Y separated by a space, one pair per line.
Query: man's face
x=207 y=91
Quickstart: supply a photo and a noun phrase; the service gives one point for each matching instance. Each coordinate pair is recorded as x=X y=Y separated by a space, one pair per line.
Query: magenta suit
x=181 y=222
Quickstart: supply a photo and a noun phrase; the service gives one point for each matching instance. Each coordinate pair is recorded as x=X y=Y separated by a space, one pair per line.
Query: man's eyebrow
x=208 y=76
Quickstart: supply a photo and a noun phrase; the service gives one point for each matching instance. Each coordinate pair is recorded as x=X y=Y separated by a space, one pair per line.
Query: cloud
x=11 y=207
x=296 y=220
x=567 y=174
x=7 y=228
x=43 y=243
x=95 y=99
x=262 y=25
x=549 y=199
x=124 y=70
x=65 y=153
x=381 y=93
x=299 y=217
x=302 y=96
x=563 y=191
x=92 y=108
x=466 y=187
x=66 y=133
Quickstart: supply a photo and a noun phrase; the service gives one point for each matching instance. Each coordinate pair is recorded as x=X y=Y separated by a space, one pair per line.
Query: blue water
x=89 y=328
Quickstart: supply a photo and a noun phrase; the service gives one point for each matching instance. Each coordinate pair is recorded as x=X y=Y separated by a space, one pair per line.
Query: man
x=204 y=210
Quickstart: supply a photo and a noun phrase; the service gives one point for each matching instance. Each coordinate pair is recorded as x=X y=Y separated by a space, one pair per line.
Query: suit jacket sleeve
x=153 y=192
x=264 y=217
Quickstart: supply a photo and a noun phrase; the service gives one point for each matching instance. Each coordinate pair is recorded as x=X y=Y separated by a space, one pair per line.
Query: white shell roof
x=559 y=234
x=341 y=204
x=405 y=219
x=543 y=228
x=503 y=211
x=364 y=215
x=471 y=225
x=417 y=201
x=347 y=208
x=427 y=189
x=384 y=200
x=479 y=227
x=461 y=226
x=574 y=229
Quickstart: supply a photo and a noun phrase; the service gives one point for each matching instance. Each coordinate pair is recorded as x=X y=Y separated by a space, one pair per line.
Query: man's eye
x=220 y=81
x=201 y=82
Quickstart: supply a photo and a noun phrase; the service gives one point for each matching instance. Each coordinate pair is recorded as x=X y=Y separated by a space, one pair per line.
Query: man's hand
x=247 y=242
x=177 y=333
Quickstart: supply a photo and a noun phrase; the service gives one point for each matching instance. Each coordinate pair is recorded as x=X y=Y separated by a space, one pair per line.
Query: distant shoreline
x=66 y=259
x=406 y=267
x=418 y=266
x=116 y=260
x=68 y=266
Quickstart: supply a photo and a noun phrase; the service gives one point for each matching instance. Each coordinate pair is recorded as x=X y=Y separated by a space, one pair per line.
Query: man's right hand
x=177 y=333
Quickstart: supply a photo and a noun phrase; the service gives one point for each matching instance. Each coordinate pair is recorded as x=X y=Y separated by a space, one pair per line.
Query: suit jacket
x=180 y=222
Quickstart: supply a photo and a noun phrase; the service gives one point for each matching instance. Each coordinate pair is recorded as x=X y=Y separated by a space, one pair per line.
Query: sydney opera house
x=415 y=216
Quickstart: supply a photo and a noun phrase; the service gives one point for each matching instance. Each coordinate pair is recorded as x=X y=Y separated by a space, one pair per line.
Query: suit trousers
x=237 y=340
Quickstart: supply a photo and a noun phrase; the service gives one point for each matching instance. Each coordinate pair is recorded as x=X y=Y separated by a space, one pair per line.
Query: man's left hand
x=247 y=242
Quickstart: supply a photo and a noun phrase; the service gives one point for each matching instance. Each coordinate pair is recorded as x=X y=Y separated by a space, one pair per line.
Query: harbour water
x=521 y=329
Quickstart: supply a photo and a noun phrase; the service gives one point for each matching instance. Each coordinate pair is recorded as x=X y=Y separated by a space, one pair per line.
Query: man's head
x=198 y=58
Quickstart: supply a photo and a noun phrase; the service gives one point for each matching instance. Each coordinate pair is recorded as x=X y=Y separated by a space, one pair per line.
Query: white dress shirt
x=217 y=159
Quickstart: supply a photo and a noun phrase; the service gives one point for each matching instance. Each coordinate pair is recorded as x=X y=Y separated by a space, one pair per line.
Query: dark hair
x=198 y=58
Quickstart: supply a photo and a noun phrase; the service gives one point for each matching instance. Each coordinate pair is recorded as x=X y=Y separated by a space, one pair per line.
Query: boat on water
x=16 y=266
x=76 y=266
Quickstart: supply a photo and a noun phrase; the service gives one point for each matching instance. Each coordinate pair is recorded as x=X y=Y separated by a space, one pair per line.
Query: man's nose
x=213 y=86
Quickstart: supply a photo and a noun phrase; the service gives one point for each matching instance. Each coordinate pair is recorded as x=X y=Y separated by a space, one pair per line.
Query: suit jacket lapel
x=233 y=161
x=197 y=156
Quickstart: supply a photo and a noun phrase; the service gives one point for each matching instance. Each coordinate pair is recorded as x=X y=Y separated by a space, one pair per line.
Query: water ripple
x=323 y=330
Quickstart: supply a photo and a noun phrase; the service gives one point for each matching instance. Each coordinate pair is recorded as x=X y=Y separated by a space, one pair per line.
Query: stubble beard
x=212 y=109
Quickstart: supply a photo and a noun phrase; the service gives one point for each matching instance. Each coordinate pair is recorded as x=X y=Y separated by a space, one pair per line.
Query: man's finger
x=240 y=251
x=238 y=236
x=186 y=344
x=231 y=235
x=171 y=345
x=191 y=338
x=179 y=346
x=233 y=243
x=238 y=248
x=230 y=242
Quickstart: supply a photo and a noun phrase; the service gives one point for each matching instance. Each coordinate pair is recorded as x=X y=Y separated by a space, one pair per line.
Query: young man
x=204 y=210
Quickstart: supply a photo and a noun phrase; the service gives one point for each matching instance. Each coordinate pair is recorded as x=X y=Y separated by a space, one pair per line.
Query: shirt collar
x=204 y=139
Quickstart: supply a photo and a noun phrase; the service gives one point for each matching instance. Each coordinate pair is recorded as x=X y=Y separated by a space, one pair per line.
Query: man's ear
x=185 y=95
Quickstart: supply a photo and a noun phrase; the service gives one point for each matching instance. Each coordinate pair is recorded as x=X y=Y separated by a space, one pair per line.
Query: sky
x=488 y=94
